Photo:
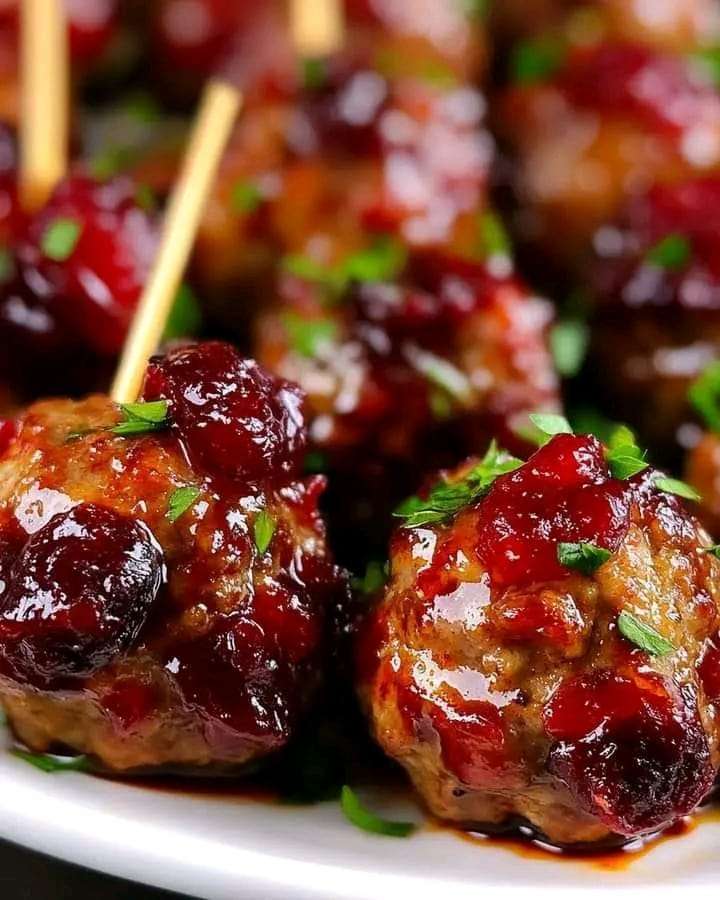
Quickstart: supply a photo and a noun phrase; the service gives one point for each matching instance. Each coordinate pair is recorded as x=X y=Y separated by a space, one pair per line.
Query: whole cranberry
x=234 y=417
x=77 y=594
x=94 y=245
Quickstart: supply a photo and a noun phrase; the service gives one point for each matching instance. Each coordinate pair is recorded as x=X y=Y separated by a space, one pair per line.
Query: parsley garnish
x=246 y=197
x=494 y=239
x=546 y=426
x=314 y=73
x=373 y=580
x=181 y=500
x=534 y=61
x=308 y=336
x=624 y=457
x=643 y=636
x=356 y=813
x=582 y=557
x=673 y=252
x=713 y=551
x=263 y=530
x=140 y=418
x=47 y=763
x=185 y=317
x=447 y=498
x=677 y=487
x=709 y=60
x=704 y=394
x=568 y=344
x=60 y=238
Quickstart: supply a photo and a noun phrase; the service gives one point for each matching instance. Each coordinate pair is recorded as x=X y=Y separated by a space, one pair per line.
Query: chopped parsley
x=708 y=60
x=246 y=197
x=677 y=487
x=713 y=551
x=673 y=252
x=356 y=813
x=624 y=457
x=568 y=343
x=314 y=73
x=534 y=61
x=704 y=394
x=7 y=265
x=181 y=500
x=111 y=160
x=447 y=498
x=546 y=426
x=308 y=336
x=643 y=636
x=373 y=580
x=60 y=238
x=185 y=317
x=263 y=530
x=494 y=239
x=140 y=418
x=47 y=763
x=583 y=557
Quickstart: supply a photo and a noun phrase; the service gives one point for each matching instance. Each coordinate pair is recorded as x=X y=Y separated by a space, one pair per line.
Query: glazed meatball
x=406 y=375
x=535 y=655
x=164 y=578
x=656 y=322
x=589 y=125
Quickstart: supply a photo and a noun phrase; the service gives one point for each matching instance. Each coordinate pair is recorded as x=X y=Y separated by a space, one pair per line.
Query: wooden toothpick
x=317 y=26
x=45 y=99
x=219 y=108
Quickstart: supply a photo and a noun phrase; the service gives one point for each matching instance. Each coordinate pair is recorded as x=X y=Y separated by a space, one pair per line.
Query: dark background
x=25 y=875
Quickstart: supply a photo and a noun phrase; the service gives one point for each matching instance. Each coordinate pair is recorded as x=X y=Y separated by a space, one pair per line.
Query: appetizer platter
x=360 y=443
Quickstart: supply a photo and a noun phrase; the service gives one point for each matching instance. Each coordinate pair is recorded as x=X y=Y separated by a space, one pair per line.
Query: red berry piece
x=630 y=748
x=235 y=418
x=78 y=594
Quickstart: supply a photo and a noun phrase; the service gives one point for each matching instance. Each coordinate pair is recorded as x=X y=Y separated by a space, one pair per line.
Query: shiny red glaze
x=77 y=594
x=95 y=290
x=7 y=433
x=659 y=768
x=130 y=702
x=234 y=418
x=636 y=82
x=710 y=670
x=526 y=615
x=564 y=493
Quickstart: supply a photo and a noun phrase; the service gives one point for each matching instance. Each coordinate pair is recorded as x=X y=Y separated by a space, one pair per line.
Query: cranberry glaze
x=163 y=602
x=498 y=674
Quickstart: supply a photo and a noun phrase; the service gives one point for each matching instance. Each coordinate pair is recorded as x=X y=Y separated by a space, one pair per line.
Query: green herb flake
x=643 y=636
x=373 y=580
x=549 y=425
x=447 y=498
x=181 y=500
x=246 y=197
x=475 y=8
x=47 y=763
x=141 y=418
x=708 y=61
x=314 y=73
x=263 y=530
x=583 y=557
x=356 y=813
x=383 y=260
x=111 y=160
x=673 y=252
x=494 y=239
x=535 y=61
x=7 y=265
x=185 y=317
x=711 y=551
x=308 y=336
x=60 y=238
x=142 y=107
x=677 y=487
x=704 y=395
x=568 y=344
x=441 y=405
x=624 y=457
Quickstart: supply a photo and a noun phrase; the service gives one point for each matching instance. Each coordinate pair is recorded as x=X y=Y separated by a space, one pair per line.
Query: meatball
x=408 y=374
x=164 y=578
x=656 y=322
x=536 y=653
x=588 y=125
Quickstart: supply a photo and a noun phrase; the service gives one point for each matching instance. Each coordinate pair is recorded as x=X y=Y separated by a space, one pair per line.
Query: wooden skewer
x=219 y=108
x=45 y=103
x=317 y=26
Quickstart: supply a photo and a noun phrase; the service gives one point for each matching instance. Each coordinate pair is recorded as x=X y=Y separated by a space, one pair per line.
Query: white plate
x=214 y=847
